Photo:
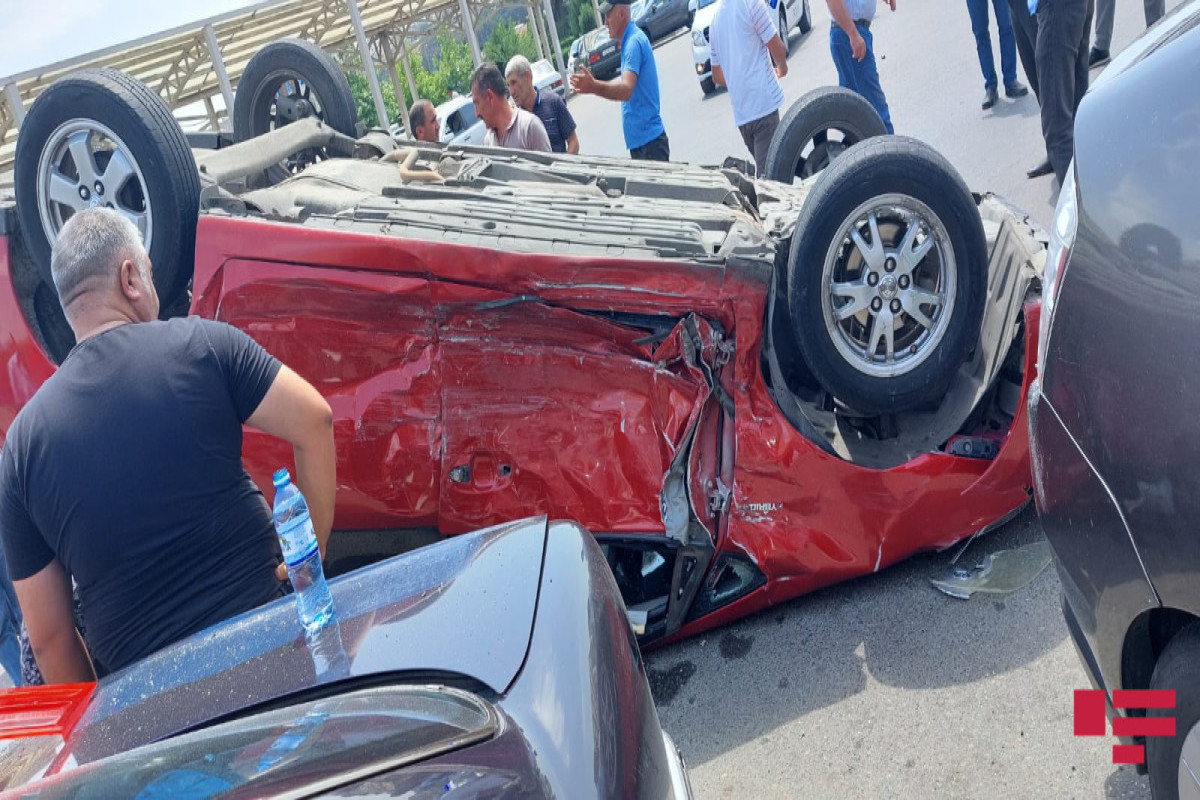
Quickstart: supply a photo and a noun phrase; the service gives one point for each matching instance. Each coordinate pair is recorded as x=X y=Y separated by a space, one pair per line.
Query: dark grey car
x=495 y=664
x=600 y=54
x=660 y=17
x=1115 y=425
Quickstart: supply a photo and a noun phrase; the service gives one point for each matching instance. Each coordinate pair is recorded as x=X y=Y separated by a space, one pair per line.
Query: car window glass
x=468 y=116
x=454 y=123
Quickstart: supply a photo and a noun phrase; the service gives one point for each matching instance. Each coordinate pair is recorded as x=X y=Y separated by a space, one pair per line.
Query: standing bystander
x=507 y=126
x=1105 y=10
x=853 y=50
x=548 y=107
x=1062 y=67
x=978 y=11
x=743 y=42
x=636 y=87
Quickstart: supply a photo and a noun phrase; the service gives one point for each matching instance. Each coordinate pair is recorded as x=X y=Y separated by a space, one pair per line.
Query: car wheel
x=783 y=28
x=806 y=19
x=707 y=85
x=818 y=128
x=289 y=80
x=1174 y=761
x=886 y=276
x=99 y=138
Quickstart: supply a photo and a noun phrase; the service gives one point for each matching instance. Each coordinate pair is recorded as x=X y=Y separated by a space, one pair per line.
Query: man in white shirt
x=742 y=44
x=506 y=126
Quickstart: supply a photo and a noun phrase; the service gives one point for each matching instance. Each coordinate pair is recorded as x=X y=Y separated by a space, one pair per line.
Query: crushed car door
x=366 y=341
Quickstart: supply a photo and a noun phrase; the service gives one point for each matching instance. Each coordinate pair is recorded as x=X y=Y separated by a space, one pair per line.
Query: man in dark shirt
x=124 y=471
x=547 y=106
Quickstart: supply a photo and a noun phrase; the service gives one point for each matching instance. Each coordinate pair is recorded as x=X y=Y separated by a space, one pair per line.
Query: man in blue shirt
x=636 y=87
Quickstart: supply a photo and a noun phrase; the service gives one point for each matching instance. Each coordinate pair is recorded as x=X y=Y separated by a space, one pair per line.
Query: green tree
x=505 y=42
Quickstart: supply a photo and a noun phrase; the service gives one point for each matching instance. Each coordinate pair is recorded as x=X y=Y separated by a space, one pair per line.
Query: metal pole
x=390 y=53
x=596 y=8
x=212 y=114
x=14 y=104
x=214 y=52
x=562 y=68
x=469 y=26
x=412 y=85
x=368 y=62
x=535 y=30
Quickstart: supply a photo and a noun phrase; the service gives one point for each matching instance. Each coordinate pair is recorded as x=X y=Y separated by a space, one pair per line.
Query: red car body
x=472 y=386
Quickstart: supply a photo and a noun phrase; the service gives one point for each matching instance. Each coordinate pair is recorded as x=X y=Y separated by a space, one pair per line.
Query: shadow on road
x=817 y=650
x=1126 y=784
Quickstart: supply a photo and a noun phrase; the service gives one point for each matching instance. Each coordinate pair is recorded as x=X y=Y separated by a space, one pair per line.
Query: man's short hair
x=518 y=65
x=488 y=77
x=92 y=245
x=416 y=114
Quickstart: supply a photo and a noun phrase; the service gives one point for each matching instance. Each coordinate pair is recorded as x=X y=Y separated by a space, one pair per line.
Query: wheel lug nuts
x=99 y=187
x=872 y=278
x=876 y=304
x=895 y=306
x=903 y=281
x=84 y=193
x=890 y=264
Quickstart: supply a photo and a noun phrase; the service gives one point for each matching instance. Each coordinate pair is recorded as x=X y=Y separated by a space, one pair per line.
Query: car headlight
x=698 y=38
x=1062 y=240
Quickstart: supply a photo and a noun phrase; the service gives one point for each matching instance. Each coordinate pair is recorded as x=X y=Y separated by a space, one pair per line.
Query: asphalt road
x=883 y=687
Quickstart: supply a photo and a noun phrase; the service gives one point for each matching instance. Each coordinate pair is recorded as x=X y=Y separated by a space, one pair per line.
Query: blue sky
x=35 y=33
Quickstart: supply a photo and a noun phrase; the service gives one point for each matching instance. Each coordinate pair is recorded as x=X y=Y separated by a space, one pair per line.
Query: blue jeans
x=978 y=9
x=859 y=76
x=10 y=626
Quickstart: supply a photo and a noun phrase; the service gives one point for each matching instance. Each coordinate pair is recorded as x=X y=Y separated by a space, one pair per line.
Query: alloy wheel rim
x=83 y=165
x=888 y=286
x=1189 y=765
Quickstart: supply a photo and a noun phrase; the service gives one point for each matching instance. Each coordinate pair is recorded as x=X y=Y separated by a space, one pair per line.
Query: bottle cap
x=281 y=477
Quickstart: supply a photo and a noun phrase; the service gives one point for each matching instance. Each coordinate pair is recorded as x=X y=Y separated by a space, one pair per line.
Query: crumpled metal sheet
x=1002 y=572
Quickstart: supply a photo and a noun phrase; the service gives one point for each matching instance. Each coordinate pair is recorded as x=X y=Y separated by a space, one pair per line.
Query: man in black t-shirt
x=546 y=106
x=124 y=472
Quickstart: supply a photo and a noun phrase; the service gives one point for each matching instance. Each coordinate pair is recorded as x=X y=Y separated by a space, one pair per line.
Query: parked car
x=436 y=672
x=744 y=389
x=574 y=58
x=459 y=123
x=657 y=18
x=600 y=54
x=1113 y=419
x=547 y=79
x=788 y=14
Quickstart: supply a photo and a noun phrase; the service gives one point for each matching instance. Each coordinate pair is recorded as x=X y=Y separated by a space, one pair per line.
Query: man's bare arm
x=297 y=413
x=49 y=610
x=619 y=88
x=778 y=51
x=573 y=143
x=837 y=10
x=718 y=75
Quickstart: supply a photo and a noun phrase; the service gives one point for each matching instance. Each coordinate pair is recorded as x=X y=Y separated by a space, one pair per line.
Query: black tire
x=902 y=353
x=1178 y=668
x=707 y=85
x=802 y=145
x=783 y=28
x=806 y=19
x=165 y=184
x=303 y=70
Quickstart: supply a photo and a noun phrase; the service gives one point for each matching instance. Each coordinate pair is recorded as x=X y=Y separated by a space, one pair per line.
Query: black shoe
x=1097 y=58
x=990 y=98
x=1016 y=89
x=1041 y=169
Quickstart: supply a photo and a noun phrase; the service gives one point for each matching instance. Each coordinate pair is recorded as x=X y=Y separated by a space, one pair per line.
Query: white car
x=547 y=79
x=459 y=123
x=788 y=14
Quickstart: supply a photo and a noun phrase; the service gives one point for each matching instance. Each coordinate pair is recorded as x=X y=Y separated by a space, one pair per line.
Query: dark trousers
x=1025 y=32
x=654 y=150
x=758 y=135
x=1153 y=9
x=978 y=10
x=859 y=76
x=1064 y=30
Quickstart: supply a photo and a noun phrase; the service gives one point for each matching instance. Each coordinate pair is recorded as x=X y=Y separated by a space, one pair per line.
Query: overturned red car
x=745 y=389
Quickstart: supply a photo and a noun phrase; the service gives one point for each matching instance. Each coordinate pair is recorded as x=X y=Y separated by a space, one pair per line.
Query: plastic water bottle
x=301 y=553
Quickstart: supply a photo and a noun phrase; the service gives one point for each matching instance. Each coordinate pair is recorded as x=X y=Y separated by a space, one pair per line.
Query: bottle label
x=298 y=540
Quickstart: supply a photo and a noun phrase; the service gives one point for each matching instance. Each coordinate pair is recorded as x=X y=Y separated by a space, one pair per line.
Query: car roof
x=454 y=104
